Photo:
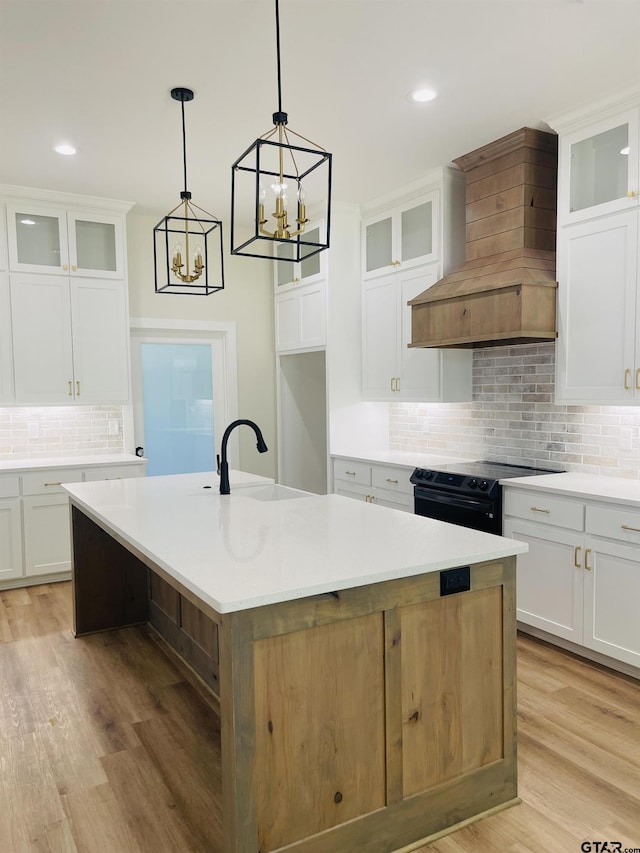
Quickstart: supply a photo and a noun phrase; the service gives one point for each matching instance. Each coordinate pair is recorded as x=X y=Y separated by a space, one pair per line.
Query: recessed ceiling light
x=65 y=149
x=27 y=222
x=625 y=150
x=421 y=96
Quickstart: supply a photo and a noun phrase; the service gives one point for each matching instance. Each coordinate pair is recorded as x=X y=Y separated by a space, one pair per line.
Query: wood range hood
x=505 y=292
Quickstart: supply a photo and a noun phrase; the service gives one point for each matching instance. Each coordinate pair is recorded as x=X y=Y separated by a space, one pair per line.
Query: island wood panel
x=451 y=687
x=320 y=729
x=111 y=589
x=186 y=628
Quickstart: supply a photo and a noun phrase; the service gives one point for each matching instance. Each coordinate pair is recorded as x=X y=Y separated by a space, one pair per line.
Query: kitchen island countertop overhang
x=236 y=552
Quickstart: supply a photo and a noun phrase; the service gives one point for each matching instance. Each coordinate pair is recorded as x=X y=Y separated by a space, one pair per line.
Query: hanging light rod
x=280 y=159
x=185 y=269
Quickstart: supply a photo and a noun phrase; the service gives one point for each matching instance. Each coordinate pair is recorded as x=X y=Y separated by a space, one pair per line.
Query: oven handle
x=435 y=496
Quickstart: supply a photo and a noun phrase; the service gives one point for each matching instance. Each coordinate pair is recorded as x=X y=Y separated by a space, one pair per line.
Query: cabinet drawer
x=113 y=472
x=537 y=506
x=613 y=522
x=49 y=482
x=9 y=487
x=392 y=479
x=352 y=472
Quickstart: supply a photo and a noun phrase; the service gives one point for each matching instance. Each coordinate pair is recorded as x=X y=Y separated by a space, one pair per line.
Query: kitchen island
x=364 y=658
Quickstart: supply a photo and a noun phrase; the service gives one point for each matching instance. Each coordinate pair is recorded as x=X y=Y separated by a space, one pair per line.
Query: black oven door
x=476 y=512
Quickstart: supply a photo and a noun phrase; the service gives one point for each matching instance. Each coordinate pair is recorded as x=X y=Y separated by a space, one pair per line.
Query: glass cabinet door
x=286 y=272
x=418 y=236
x=37 y=238
x=312 y=266
x=378 y=239
x=95 y=245
x=602 y=168
x=309 y=269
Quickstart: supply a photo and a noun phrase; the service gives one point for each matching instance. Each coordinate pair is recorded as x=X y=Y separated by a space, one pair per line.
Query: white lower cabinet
x=580 y=580
x=10 y=529
x=34 y=520
x=385 y=485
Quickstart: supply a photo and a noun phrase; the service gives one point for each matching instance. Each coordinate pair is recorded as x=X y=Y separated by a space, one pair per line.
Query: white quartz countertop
x=400 y=458
x=241 y=550
x=611 y=489
x=22 y=464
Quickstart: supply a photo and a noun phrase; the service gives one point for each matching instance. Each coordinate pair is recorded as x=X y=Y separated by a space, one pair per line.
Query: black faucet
x=223 y=465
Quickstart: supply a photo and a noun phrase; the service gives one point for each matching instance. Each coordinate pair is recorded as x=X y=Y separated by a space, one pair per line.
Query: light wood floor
x=107 y=746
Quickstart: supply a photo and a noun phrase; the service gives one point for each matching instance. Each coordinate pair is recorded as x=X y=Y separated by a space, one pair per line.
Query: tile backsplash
x=56 y=431
x=513 y=419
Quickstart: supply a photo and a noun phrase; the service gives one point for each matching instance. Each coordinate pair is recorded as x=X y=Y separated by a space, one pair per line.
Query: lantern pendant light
x=280 y=170
x=187 y=242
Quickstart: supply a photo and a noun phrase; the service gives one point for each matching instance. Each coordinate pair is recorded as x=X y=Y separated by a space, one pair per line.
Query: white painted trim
x=597 y=111
x=70 y=200
x=431 y=181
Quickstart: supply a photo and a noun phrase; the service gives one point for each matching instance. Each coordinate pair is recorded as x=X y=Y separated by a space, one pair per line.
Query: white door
x=380 y=338
x=42 y=354
x=549 y=579
x=11 y=538
x=611 y=599
x=47 y=544
x=420 y=374
x=183 y=398
x=100 y=341
x=597 y=310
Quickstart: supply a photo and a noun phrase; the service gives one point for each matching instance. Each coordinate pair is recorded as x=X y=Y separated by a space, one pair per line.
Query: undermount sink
x=272 y=492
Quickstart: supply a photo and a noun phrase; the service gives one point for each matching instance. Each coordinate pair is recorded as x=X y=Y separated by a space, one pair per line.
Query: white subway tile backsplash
x=513 y=419
x=61 y=431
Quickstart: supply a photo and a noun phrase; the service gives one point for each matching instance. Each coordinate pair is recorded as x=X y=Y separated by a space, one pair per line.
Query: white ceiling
x=98 y=73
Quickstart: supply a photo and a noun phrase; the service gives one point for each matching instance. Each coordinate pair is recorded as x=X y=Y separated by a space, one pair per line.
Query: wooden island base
x=363 y=721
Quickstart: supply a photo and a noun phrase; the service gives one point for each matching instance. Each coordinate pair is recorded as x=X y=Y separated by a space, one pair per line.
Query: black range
x=467 y=493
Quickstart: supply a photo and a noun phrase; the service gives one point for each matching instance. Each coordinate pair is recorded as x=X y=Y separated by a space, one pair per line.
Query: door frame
x=217 y=332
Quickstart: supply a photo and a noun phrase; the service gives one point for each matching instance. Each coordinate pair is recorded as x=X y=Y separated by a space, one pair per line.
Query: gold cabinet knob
x=631 y=193
x=74 y=267
x=65 y=266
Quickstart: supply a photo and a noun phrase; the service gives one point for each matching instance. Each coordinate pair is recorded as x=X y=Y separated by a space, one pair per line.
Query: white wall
x=246 y=300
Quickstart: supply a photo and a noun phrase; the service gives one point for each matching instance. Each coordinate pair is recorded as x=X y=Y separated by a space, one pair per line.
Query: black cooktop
x=492 y=470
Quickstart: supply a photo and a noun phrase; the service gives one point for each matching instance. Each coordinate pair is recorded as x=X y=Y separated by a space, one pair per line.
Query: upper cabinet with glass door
x=52 y=239
x=599 y=169
x=309 y=270
x=401 y=237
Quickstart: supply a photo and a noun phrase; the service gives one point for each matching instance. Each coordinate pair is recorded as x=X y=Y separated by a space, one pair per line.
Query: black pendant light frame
x=305 y=161
x=193 y=226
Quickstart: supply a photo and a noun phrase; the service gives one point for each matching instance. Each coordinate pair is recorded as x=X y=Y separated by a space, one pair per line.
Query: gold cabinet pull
x=350 y=473
x=77 y=387
x=397 y=383
x=638 y=379
x=70 y=389
x=627 y=374
x=393 y=383
x=576 y=551
x=538 y=509
x=395 y=482
x=628 y=527
x=586 y=561
x=53 y=484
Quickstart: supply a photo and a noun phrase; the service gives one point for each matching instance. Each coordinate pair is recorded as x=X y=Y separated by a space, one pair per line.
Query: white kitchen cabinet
x=598 y=351
x=4 y=258
x=7 y=394
x=301 y=317
x=34 y=520
x=401 y=236
x=48 y=238
x=580 y=581
x=309 y=270
x=392 y=371
x=599 y=166
x=380 y=484
x=10 y=529
x=70 y=341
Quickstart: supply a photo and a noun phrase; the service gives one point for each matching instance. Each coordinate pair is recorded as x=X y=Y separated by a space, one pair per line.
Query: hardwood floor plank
x=107 y=745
